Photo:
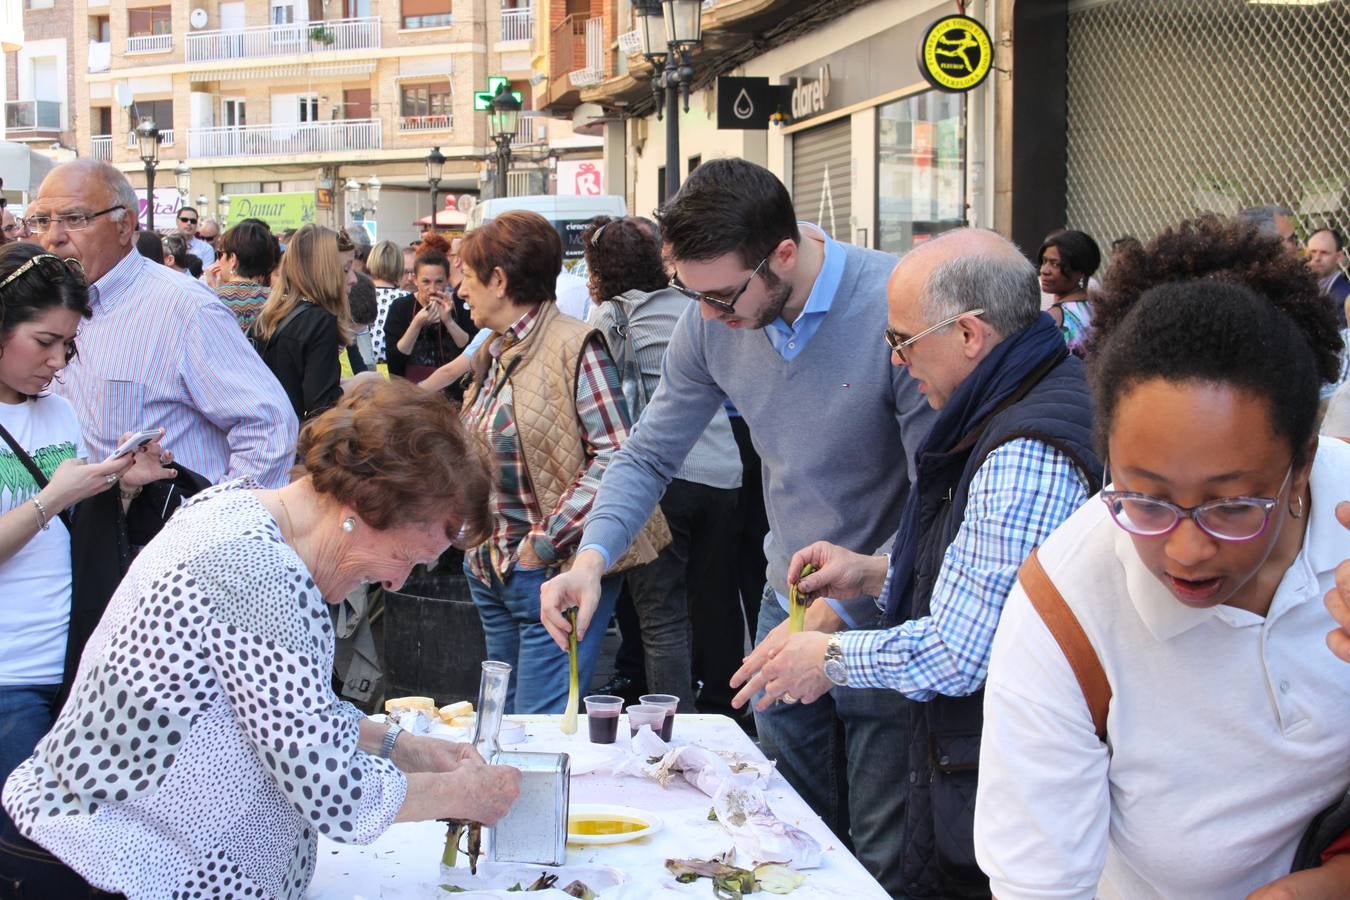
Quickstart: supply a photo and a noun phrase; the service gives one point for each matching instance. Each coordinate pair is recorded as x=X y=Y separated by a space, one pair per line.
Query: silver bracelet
x=391 y=735
x=43 y=521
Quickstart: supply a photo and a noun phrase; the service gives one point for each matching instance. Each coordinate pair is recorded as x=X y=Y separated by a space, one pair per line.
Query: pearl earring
x=349 y=524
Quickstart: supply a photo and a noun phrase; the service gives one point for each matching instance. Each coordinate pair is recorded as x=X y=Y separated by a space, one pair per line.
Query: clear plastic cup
x=670 y=703
x=602 y=717
x=641 y=714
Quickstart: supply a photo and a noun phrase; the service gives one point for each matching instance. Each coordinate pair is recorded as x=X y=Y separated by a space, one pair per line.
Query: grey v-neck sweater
x=836 y=428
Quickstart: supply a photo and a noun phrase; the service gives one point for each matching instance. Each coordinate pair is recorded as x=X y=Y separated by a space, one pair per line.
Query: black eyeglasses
x=187 y=220
x=40 y=224
x=1232 y=519
x=724 y=304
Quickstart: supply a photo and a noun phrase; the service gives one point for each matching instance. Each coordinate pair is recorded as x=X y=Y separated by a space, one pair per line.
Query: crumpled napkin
x=759 y=835
x=707 y=770
x=737 y=788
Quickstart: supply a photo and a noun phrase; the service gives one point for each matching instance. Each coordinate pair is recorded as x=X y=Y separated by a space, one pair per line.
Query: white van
x=568 y=214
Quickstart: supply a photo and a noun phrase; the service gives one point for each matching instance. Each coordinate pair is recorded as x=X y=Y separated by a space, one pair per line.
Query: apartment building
x=39 y=81
x=286 y=97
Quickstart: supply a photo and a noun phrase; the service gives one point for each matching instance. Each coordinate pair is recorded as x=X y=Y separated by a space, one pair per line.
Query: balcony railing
x=284 y=40
x=149 y=43
x=33 y=115
x=439 y=122
x=165 y=139
x=101 y=145
x=281 y=139
x=567 y=47
x=593 y=72
x=530 y=128
x=518 y=23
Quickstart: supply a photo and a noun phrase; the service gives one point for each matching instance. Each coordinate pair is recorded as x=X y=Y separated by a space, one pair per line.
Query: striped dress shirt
x=163 y=351
x=1023 y=491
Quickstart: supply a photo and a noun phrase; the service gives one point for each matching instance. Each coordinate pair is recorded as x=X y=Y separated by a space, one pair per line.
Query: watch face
x=836 y=672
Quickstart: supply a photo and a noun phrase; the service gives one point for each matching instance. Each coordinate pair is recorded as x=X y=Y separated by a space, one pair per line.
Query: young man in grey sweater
x=789 y=325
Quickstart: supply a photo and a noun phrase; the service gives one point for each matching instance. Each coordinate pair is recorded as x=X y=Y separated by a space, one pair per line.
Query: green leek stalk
x=569 y=720
x=797 y=606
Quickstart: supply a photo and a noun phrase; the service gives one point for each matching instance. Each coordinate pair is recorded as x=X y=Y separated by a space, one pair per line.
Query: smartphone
x=134 y=443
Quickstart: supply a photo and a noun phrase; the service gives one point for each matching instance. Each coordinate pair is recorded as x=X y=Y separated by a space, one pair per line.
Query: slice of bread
x=454 y=710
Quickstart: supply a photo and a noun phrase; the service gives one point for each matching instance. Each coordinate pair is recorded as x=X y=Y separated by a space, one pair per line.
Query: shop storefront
x=876 y=155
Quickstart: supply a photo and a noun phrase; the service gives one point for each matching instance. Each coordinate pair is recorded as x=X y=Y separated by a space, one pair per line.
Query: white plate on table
x=646 y=822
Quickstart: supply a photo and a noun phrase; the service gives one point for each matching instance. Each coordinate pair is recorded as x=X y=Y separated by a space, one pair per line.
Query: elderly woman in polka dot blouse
x=202 y=750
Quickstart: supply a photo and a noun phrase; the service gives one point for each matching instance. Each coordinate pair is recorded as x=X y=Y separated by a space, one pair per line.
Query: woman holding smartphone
x=42 y=299
x=428 y=334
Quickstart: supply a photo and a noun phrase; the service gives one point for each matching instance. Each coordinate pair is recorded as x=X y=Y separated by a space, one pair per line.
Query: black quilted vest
x=1051 y=405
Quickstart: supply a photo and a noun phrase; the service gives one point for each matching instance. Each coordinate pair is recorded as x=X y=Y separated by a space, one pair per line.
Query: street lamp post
x=502 y=121
x=147 y=139
x=435 y=168
x=182 y=175
x=670 y=30
x=363 y=198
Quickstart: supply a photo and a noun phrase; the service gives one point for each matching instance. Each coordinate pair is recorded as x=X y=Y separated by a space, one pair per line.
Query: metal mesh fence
x=1177 y=107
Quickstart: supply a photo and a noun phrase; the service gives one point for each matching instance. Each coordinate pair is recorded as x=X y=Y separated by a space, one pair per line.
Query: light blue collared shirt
x=790 y=340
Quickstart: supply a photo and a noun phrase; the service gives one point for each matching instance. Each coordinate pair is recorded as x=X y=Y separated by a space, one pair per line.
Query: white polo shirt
x=1227 y=732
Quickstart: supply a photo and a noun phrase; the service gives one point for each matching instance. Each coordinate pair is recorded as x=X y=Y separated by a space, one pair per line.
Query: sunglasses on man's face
x=723 y=304
x=186 y=220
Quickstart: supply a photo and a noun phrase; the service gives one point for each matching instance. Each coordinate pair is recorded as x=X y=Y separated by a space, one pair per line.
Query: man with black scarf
x=1008 y=459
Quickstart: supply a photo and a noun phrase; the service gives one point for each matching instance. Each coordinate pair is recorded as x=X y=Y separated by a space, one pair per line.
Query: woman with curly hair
x=693 y=578
x=1200 y=727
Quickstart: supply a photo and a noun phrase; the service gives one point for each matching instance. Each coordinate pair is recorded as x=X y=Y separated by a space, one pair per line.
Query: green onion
x=569 y=720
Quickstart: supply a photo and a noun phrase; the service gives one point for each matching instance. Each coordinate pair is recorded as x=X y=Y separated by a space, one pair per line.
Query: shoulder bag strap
x=33 y=470
x=1068 y=633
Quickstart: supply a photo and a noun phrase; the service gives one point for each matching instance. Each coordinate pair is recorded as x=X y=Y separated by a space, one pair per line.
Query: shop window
x=921 y=171
x=425 y=13
x=150 y=20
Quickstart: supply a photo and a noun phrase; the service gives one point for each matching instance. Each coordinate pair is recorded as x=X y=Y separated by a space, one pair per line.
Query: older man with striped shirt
x=161 y=349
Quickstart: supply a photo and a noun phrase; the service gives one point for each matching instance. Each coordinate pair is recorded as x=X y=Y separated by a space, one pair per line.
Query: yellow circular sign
x=955 y=54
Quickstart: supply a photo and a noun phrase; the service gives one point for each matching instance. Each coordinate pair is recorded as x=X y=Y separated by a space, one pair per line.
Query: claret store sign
x=886 y=62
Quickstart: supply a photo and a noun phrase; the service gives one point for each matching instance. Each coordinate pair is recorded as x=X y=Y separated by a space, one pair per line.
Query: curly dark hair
x=624 y=258
x=1215 y=300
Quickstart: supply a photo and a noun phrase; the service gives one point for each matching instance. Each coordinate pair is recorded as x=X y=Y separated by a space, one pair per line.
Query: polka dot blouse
x=203 y=750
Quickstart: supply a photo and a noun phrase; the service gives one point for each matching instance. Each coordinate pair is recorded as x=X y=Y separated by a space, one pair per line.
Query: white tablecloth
x=405 y=861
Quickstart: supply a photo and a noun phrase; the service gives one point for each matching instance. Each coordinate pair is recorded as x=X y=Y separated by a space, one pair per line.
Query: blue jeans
x=27 y=712
x=513 y=633
x=846 y=754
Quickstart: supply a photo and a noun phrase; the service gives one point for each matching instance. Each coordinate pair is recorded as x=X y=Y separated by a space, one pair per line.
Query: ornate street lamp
x=182 y=174
x=435 y=168
x=670 y=30
x=502 y=122
x=147 y=139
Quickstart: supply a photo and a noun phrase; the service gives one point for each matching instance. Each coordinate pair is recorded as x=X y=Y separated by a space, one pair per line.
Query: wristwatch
x=391 y=735
x=835 y=670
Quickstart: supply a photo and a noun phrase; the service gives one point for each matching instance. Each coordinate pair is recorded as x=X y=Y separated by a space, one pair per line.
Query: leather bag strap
x=1073 y=641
